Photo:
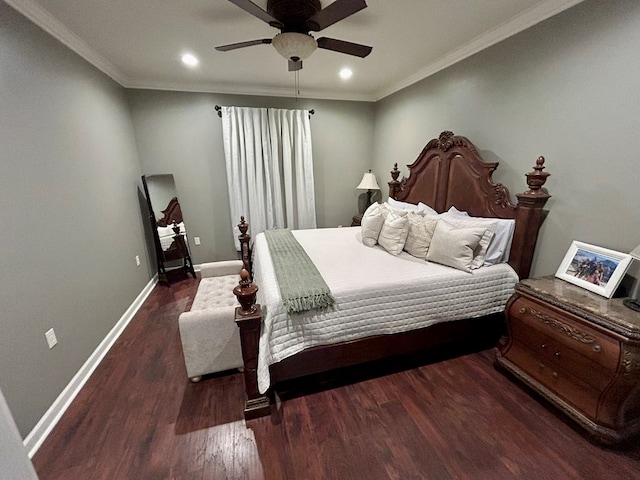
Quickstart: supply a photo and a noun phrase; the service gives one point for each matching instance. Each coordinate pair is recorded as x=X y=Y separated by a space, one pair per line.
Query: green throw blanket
x=301 y=286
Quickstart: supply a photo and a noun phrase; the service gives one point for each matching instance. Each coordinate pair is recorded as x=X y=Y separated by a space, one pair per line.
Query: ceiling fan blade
x=341 y=46
x=250 y=43
x=333 y=13
x=293 y=66
x=257 y=12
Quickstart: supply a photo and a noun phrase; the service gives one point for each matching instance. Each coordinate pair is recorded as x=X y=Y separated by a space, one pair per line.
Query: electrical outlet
x=196 y=240
x=50 y=335
x=138 y=260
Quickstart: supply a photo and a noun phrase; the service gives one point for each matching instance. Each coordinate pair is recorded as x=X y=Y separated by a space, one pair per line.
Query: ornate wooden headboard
x=450 y=172
x=171 y=214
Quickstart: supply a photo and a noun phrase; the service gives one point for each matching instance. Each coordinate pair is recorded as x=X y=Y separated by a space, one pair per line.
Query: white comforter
x=376 y=293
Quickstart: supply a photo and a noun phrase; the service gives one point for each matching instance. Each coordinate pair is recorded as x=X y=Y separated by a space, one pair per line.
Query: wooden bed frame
x=448 y=172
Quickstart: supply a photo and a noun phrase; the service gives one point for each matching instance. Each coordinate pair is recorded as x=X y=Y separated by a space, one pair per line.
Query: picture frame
x=599 y=270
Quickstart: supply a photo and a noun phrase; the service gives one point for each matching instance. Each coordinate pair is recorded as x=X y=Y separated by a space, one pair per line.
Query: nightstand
x=356 y=220
x=580 y=351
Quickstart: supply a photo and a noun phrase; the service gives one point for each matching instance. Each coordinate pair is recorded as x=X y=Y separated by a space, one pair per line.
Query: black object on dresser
x=580 y=351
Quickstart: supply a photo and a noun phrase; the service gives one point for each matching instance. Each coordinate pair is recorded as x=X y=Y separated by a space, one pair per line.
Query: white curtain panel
x=269 y=168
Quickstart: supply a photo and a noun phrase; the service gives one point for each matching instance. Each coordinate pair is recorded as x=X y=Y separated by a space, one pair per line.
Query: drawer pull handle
x=557 y=354
x=555 y=374
x=544 y=345
x=523 y=310
x=597 y=348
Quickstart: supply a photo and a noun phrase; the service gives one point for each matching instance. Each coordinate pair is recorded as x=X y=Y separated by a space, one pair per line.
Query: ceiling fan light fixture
x=293 y=45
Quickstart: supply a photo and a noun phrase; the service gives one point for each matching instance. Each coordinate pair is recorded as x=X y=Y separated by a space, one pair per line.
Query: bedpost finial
x=395 y=173
x=537 y=178
x=243 y=226
x=246 y=292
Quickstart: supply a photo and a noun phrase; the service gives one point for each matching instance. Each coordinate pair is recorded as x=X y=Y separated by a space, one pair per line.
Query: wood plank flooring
x=138 y=417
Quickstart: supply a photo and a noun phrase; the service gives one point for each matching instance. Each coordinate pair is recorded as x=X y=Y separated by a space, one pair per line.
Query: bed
x=381 y=308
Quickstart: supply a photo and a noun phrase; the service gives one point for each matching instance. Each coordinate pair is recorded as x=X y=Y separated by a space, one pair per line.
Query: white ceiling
x=139 y=42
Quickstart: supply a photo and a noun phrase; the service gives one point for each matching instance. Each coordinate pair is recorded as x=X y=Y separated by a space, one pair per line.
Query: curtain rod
x=219 y=110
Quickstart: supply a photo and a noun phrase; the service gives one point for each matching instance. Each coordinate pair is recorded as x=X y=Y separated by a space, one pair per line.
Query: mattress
x=376 y=293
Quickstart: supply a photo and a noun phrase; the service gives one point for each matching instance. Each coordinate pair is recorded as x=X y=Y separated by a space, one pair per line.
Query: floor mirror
x=169 y=231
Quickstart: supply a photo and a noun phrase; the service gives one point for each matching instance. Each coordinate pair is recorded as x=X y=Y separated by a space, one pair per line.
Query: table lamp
x=633 y=302
x=369 y=184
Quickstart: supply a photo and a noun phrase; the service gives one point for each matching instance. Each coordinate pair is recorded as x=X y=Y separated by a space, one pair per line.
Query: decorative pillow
x=394 y=233
x=371 y=224
x=426 y=209
x=420 y=232
x=500 y=245
x=454 y=246
x=489 y=225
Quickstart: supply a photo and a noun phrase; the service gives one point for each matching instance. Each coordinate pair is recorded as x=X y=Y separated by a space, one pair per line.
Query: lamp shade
x=635 y=253
x=368 y=182
x=294 y=46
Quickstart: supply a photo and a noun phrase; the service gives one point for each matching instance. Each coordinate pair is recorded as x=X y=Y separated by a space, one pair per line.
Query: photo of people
x=591 y=267
x=594 y=268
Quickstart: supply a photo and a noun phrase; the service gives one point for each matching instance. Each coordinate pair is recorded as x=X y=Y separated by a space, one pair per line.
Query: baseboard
x=37 y=436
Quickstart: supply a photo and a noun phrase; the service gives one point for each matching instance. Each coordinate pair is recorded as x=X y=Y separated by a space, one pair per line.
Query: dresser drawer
x=552 y=352
x=566 y=386
x=568 y=337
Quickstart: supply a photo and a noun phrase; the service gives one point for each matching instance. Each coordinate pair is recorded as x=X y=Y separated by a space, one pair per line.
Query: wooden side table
x=580 y=351
x=357 y=219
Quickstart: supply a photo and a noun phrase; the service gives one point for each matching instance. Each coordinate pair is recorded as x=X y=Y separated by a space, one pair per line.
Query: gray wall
x=70 y=216
x=181 y=133
x=568 y=89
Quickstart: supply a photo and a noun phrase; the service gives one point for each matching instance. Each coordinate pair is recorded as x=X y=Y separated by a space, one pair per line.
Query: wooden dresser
x=578 y=350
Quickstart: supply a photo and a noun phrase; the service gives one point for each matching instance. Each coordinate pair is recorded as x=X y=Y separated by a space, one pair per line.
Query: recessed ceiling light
x=190 y=60
x=345 y=73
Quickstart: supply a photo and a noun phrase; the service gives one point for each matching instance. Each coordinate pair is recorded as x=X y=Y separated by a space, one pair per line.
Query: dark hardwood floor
x=138 y=417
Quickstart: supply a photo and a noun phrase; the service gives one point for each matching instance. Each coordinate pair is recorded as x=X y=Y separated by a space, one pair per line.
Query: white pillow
x=454 y=246
x=500 y=245
x=454 y=211
x=489 y=225
x=420 y=232
x=371 y=224
x=398 y=205
x=394 y=233
x=426 y=209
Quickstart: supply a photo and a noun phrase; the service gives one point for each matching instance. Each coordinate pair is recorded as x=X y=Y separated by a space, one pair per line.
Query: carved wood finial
x=394 y=185
x=395 y=173
x=244 y=239
x=246 y=292
x=537 y=178
x=243 y=226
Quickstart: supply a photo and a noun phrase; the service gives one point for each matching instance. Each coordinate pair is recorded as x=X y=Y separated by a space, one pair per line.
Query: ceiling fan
x=295 y=19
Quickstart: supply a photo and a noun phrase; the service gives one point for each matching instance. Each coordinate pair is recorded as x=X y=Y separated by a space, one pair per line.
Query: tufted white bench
x=209 y=335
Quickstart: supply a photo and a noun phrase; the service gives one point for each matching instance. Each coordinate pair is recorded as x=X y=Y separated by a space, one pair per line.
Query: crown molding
x=225 y=89
x=519 y=23
x=52 y=26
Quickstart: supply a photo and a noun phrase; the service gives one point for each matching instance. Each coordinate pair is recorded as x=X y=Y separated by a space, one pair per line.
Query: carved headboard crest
x=448 y=139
